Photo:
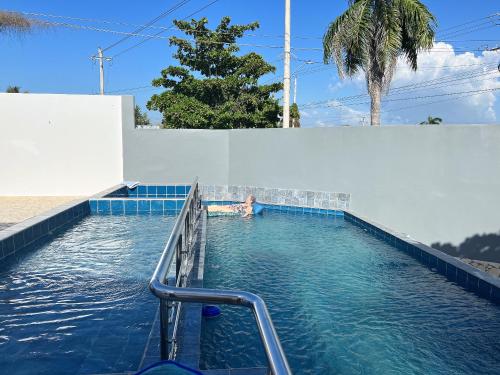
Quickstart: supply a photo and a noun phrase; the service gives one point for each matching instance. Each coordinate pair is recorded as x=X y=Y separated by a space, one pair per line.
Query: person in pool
x=245 y=208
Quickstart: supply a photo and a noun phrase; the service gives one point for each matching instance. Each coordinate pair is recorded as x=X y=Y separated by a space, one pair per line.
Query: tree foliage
x=370 y=36
x=295 y=115
x=432 y=121
x=141 y=118
x=214 y=87
x=13 y=90
x=12 y=23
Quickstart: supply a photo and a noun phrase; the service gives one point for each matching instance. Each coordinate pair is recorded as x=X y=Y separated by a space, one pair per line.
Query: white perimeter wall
x=61 y=144
x=435 y=183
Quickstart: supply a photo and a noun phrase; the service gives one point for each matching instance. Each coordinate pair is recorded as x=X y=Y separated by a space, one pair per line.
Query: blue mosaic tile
x=484 y=288
x=142 y=190
x=180 y=203
x=157 y=206
x=161 y=191
x=18 y=241
x=472 y=282
x=151 y=191
x=144 y=206
x=461 y=277
x=117 y=207
x=188 y=189
x=451 y=272
x=8 y=246
x=169 y=205
x=103 y=206
x=441 y=267
x=425 y=257
x=180 y=190
x=132 y=192
x=130 y=206
x=433 y=261
x=495 y=294
x=28 y=235
x=171 y=191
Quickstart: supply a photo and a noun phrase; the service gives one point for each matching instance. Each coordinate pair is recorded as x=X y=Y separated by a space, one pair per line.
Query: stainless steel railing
x=179 y=246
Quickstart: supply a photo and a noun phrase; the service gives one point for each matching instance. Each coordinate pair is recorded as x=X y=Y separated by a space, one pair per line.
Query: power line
x=157 y=36
x=151 y=22
x=436 y=101
x=146 y=26
x=435 y=83
x=164 y=29
x=425 y=96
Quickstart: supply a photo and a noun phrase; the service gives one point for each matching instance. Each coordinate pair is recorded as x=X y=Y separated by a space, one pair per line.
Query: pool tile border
x=278 y=197
x=452 y=268
x=135 y=206
x=286 y=209
x=180 y=190
x=18 y=236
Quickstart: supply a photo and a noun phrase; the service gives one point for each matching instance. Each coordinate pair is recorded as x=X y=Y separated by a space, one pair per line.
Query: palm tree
x=370 y=36
x=432 y=121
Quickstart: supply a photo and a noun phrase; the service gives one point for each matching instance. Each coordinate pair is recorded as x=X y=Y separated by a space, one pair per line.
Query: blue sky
x=57 y=60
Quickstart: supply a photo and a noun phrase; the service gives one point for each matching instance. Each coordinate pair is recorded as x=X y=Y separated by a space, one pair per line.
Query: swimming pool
x=342 y=302
x=80 y=303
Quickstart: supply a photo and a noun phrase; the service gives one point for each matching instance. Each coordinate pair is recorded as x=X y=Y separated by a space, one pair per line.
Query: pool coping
x=18 y=236
x=454 y=269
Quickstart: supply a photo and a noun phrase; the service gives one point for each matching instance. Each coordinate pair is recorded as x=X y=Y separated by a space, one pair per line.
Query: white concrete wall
x=61 y=144
x=435 y=183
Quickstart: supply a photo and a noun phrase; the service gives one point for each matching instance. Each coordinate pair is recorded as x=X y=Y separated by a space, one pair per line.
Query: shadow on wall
x=484 y=247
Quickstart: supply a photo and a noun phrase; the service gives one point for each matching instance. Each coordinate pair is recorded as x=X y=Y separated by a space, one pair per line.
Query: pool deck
x=16 y=209
x=490 y=267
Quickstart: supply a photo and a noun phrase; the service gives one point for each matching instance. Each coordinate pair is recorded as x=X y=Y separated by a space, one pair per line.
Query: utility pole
x=286 y=75
x=101 y=59
x=295 y=79
x=295 y=90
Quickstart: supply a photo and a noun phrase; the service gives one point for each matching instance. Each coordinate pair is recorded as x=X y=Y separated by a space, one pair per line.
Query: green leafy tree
x=13 y=90
x=141 y=118
x=214 y=87
x=370 y=36
x=295 y=115
x=432 y=121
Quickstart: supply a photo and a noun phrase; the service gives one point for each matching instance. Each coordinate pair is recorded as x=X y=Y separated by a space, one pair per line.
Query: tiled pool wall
x=278 y=197
x=142 y=199
x=134 y=206
x=456 y=271
x=150 y=191
x=286 y=209
x=38 y=228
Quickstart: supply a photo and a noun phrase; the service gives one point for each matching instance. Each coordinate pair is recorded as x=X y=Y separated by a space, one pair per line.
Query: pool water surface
x=80 y=303
x=342 y=302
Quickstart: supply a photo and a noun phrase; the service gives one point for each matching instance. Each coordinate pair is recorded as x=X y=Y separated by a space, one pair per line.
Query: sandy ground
x=16 y=209
x=490 y=267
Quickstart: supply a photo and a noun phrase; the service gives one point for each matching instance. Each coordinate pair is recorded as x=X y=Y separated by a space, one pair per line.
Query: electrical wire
x=151 y=22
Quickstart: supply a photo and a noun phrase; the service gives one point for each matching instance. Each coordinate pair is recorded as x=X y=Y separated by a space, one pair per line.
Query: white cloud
x=445 y=67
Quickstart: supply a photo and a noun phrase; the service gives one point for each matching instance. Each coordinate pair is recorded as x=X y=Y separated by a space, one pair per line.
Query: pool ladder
x=180 y=246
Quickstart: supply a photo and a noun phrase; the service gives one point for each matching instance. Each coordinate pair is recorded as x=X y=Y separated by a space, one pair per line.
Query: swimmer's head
x=250 y=199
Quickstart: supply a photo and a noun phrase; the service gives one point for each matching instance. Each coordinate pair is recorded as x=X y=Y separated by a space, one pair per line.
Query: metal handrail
x=180 y=246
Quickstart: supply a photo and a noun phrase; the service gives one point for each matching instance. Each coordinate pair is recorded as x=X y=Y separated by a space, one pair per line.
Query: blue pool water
x=80 y=304
x=342 y=302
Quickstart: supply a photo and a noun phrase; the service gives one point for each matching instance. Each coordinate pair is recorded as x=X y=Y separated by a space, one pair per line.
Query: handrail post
x=164 y=315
